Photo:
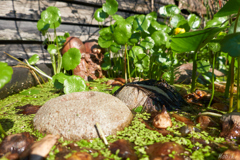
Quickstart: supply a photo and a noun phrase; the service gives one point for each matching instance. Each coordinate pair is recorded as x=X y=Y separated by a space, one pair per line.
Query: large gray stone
x=74 y=115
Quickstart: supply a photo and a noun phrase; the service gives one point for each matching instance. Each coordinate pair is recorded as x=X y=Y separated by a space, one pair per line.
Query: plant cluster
x=151 y=48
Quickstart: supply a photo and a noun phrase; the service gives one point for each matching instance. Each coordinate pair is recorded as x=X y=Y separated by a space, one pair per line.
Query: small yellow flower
x=178 y=31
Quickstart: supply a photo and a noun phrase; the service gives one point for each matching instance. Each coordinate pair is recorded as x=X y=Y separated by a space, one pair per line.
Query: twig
x=101 y=133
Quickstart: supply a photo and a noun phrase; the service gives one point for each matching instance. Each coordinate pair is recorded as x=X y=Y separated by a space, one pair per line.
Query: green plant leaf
x=215 y=47
x=42 y=26
x=184 y=24
x=106 y=37
x=100 y=15
x=122 y=32
x=56 y=24
x=231 y=7
x=58 y=80
x=34 y=59
x=147 y=43
x=135 y=38
x=141 y=60
x=160 y=38
x=217 y=22
x=141 y=23
x=52 y=49
x=110 y=7
x=115 y=89
x=74 y=84
x=66 y=35
x=138 y=109
x=130 y=19
x=51 y=15
x=5 y=73
x=191 y=41
x=169 y=10
x=118 y=18
x=152 y=16
x=71 y=59
x=61 y=40
x=194 y=21
x=115 y=47
x=231 y=44
x=176 y=19
x=231 y=28
x=106 y=65
x=158 y=26
x=203 y=66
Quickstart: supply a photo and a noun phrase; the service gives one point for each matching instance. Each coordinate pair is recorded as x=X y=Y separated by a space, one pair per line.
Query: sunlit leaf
x=160 y=38
x=217 y=22
x=34 y=59
x=194 y=21
x=71 y=59
x=115 y=47
x=176 y=19
x=122 y=33
x=51 y=15
x=74 y=84
x=100 y=15
x=52 y=49
x=169 y=10
x=147 y=43
x=5 y=73
x=141 y=23
x=110 y=7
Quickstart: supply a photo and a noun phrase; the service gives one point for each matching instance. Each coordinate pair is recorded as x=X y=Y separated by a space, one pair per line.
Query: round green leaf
x=56 y=24
x=110 y=7
x=51 y=15
x=122 y=33
x=115 y=47
x=130 y=19
x=215 y=47
x=152 y=16
x=5 y=73
x=203 y=66
x=141 y=23
x=160 y=38
x=194 y=21
x=34 y=59
x=52 y=49
x=176 y=19
x=217 y=22
x=147 y=43
x=66 y=35
x=74 y=84
x=135 y=38
x=118 y=18
x=61 y=77
x=71 y=59
x=104 y=43
x=169 y=10
x=42 y=26
x=231 y=44
x=100 y=15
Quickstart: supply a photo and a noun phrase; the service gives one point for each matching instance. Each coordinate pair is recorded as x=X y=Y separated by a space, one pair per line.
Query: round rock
x=75 y=115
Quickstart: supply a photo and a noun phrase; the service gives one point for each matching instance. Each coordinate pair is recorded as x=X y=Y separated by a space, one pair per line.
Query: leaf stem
x=129 y=73
x=213 y=66
x=194 y=70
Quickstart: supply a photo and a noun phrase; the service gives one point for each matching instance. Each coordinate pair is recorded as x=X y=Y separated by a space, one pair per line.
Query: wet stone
x=75 y=115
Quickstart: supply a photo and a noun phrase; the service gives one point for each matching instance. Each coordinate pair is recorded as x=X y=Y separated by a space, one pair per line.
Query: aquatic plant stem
x=232 y=85
x=125 y=64
x=212 y=79
x=194 y=71
x=101 y=133
x=238 y=87
x=129 y=74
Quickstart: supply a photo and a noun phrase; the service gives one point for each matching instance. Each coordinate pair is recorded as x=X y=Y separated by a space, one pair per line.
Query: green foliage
x=110 y=7
x=231 y=7
x=194 y=21
x=230 y=44
x=34 y=59
x=100 y=15
x=169 y=10
x=74 y=84
x=5 y=74
x=122 y=33
x=71 y=59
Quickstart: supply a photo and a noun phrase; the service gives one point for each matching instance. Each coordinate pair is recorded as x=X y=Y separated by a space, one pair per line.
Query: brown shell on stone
x=73 y=42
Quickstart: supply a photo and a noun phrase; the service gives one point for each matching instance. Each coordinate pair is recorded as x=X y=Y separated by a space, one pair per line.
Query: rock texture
x=74 y=115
